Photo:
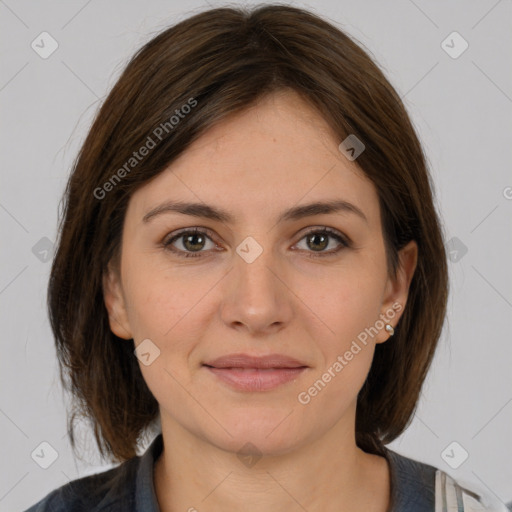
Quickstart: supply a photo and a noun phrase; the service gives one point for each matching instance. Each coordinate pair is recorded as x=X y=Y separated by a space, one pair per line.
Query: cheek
x=159 y=297
x=348 y=302
x=159 y=313
x=167 y=315
x=345 y=342
x=349 y=307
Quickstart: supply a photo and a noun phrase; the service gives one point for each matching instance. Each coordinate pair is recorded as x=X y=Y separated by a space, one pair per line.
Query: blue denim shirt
x=129 y=487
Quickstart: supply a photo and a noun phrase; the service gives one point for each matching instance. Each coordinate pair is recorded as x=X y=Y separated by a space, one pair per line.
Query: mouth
x=250 y=373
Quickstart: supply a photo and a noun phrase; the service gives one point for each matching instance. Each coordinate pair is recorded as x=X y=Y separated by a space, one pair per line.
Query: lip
x=255 y=373
x=257 y=362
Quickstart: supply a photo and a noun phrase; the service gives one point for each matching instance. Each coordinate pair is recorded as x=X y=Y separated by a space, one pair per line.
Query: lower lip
x=256 y=379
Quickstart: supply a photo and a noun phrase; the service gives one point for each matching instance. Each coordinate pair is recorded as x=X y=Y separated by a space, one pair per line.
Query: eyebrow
x=214 y=213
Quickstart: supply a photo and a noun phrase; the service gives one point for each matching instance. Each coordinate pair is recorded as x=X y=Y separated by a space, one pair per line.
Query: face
x=307 y=285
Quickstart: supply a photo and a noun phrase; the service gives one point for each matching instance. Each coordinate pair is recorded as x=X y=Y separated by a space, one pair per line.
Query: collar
x=145 y=495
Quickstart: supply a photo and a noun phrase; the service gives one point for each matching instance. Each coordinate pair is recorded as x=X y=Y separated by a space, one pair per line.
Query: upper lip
x=248 y=361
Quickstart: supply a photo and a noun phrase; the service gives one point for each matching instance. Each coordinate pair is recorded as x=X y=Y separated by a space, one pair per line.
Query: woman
x=250 y=260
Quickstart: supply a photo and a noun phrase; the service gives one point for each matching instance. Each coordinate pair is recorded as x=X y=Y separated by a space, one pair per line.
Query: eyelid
x=193 y=229
x=168 y=240
x=326 y=229
x=212 y=235
x=175 y=235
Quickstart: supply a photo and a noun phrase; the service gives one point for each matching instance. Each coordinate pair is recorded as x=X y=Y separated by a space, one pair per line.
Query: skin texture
x=255 y=164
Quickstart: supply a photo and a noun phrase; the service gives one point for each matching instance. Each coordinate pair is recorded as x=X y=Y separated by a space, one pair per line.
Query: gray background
x=462 y=109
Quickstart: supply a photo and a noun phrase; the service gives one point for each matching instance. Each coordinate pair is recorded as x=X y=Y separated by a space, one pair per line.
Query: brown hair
x=224 y=59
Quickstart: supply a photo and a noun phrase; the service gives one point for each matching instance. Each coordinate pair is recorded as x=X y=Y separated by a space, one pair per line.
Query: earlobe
x=115 y=305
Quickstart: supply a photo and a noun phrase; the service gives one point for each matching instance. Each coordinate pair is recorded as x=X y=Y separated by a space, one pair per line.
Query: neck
x=328 y=474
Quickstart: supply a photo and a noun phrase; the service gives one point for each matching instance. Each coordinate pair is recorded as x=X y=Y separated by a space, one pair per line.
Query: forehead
x=273 y=155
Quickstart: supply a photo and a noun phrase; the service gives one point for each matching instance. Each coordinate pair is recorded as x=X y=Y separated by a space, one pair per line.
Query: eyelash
x=167 y=244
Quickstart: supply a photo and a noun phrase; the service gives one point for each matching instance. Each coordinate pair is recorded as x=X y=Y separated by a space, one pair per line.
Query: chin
x=258 y=432
x=250 y=443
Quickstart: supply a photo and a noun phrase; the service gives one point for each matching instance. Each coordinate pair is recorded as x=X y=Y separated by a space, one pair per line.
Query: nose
x=257 y=297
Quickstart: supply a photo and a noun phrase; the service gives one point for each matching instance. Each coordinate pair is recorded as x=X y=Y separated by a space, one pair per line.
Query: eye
x=194 y=240
x=191 y=241
x=318 y=239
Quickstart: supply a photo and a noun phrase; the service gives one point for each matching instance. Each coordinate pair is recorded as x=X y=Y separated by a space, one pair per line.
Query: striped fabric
x=451 y=497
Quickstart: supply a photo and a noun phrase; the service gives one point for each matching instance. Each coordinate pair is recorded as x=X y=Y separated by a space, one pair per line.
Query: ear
x=397 y=288
x=115 y=304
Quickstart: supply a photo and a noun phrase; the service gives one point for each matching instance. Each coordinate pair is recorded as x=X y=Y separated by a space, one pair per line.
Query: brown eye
x=192 y=243
x=319 y=239
x=189 y=242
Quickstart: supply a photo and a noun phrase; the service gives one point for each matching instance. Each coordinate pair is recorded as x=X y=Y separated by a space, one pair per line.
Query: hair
x=222 y=61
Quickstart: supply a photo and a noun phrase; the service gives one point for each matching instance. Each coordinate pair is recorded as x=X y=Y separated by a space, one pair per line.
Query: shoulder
x=420 y=487
x=110 y=490
x=449 y=492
